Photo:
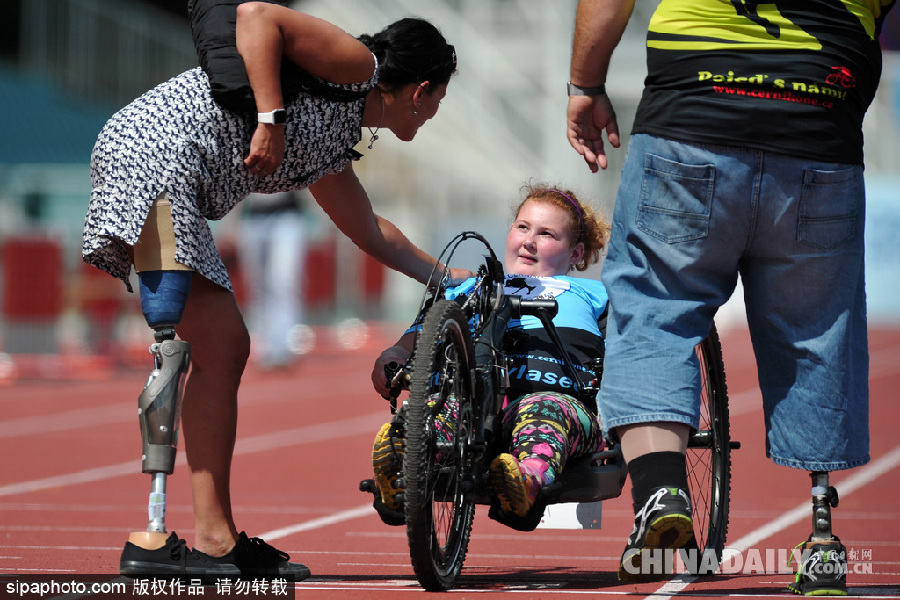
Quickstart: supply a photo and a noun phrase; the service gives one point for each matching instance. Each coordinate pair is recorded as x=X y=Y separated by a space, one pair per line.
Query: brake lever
x=394 y=374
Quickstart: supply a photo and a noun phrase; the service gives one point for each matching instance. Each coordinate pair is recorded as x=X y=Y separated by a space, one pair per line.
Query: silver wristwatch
x=276 y=117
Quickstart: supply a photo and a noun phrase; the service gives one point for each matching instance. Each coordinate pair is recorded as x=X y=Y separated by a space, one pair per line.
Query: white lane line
x=858 y=479
x=307 y=434
x=87 y=476
x=861 y=477
x=340 y=517
x=66 y=421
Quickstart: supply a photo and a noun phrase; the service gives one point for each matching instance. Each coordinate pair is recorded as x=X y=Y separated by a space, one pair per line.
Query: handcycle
x=459 y=362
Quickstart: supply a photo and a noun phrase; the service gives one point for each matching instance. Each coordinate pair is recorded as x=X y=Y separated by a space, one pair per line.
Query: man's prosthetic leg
x=164 y=288
x=824 y=498
x=822 y=564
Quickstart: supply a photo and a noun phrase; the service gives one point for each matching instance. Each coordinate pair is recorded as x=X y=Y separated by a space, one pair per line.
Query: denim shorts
x=688 y=220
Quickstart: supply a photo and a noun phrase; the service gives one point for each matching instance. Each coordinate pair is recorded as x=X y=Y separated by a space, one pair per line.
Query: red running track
x=71 y=489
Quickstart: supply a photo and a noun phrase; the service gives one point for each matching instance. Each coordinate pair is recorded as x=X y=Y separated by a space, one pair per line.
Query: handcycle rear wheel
x=439 y=501
x=709 y=454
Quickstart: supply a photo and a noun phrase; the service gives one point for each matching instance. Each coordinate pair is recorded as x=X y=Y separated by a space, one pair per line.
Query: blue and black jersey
x=785 y=76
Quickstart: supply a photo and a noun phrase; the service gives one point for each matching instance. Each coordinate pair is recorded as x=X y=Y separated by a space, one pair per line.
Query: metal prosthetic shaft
x=824 y=498
x=159 y=412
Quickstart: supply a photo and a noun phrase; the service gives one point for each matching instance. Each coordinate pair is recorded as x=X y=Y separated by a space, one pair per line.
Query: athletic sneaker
x=387 y=460
x=823 y=570
x=172 y=561
x=515 y=490
x=253 y=558
x=664 y=523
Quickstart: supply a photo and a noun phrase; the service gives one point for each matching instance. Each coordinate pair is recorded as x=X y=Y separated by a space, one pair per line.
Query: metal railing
x=104 y=50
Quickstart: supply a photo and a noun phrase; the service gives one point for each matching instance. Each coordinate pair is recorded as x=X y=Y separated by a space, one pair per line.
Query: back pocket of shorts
x=829 y=208
x=675 y=199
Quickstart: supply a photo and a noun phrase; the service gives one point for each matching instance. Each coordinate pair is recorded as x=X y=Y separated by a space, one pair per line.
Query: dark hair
x=411 y=50
x=584 y=224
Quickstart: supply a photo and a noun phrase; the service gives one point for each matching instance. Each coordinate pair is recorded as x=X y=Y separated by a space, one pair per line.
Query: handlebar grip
x=532 y=307
x=391 y=369
x=395 y=386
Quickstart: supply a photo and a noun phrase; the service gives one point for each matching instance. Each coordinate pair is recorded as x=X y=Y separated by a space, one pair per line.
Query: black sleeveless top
x=213 y=25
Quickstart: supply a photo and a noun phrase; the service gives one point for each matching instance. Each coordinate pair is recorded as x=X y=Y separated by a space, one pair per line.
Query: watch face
x=575 y=90
x=276 y=117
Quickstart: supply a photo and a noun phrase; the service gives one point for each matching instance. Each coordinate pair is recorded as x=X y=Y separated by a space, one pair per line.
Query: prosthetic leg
x=159 y=405
x=824 y=498
x=822 y=564
x=164 y=288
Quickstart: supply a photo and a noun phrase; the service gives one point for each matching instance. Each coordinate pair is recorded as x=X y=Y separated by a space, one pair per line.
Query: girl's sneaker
x=387 y=460
x=515 y=490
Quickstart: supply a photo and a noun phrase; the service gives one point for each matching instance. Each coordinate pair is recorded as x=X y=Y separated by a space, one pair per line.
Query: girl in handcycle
x=502 y=373
x=545 y=421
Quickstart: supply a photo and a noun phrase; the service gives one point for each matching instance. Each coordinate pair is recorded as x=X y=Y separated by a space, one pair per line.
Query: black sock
x=656 y=470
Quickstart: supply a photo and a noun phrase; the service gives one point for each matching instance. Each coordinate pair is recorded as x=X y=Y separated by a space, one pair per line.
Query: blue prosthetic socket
x=163 y=296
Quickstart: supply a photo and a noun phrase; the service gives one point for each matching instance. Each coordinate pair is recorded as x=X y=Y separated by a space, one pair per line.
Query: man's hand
x=587 y=117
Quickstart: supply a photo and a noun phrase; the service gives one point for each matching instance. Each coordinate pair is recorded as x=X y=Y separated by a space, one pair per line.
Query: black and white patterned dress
x=176 y=139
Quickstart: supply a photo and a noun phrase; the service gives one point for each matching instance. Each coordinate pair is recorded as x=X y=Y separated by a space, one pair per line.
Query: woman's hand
x=396 y=354
x=266 y=150
x=456 y=277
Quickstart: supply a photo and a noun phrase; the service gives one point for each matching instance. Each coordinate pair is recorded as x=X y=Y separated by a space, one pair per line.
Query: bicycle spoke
x=708 y=455
x=438 y=514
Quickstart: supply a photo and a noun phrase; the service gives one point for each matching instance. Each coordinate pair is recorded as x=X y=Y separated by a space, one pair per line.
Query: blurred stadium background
x=67 y=65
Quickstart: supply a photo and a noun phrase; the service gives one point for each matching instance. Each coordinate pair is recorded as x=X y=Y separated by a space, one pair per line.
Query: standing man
x=273 y=252
x=746 y=158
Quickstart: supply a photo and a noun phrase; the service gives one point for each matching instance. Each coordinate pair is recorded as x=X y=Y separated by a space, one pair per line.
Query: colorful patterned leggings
x=542 y=431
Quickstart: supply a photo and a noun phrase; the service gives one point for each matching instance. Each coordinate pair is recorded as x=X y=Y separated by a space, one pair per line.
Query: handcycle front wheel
x=709 y=456
x=438 y=496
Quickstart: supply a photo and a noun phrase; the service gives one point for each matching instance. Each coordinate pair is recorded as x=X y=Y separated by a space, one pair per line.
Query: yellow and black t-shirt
x=793 y=77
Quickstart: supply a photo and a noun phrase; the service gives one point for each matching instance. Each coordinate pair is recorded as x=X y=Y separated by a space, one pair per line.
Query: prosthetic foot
x=822 y=564
x=163 y=297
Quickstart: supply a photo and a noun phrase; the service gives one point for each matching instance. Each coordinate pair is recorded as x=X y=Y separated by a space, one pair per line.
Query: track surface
x=71 y=488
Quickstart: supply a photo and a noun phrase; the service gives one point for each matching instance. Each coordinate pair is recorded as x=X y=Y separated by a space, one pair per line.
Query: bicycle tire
x=709 y=456
x=439 y=502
